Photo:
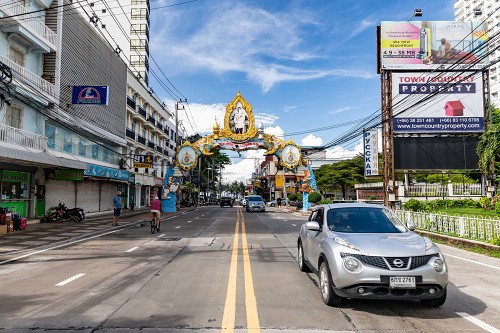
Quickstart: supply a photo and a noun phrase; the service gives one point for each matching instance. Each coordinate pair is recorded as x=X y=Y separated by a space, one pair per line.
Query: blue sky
x=301 y=64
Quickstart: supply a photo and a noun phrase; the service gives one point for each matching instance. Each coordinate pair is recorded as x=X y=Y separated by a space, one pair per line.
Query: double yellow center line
x=229 y=317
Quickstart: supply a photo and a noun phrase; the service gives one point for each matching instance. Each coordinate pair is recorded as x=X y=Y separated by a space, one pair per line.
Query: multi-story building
x=479 y=10
x=29 y=93
x=125 y=24
x=149 y=132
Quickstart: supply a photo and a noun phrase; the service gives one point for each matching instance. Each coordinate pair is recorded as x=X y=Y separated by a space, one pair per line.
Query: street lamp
x=416 y=13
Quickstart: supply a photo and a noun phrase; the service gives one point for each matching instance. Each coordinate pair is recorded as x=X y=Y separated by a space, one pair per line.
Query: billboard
x=430 y=45
x=436 y=153
x=370 y=143
x=90 y=95
x=437 y=102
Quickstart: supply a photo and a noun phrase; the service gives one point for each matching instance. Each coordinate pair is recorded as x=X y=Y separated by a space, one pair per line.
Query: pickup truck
x=226 y=201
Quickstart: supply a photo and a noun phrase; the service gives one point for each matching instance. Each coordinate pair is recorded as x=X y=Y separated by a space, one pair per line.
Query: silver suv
x=365 y=251
x=255 y=203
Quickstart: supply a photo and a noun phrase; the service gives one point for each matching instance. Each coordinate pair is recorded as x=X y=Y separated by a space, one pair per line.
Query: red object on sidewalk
x=11 y=226
x=24 y=223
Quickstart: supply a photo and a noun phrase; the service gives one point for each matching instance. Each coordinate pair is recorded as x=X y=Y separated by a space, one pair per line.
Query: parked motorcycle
x=61 y=212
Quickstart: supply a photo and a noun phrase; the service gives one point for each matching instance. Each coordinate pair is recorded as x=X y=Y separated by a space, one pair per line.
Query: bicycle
x=154 y=223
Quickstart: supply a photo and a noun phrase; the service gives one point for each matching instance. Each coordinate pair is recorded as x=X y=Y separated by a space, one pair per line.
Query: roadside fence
x=478 y=228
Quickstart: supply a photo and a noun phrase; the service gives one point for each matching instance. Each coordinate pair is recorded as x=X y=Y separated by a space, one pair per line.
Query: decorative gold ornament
x=239 y=121
x=186 y=156
x=290 y=155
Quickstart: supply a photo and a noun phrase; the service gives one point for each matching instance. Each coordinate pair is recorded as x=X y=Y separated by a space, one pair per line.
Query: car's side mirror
x=313 y=226
x=410 y=225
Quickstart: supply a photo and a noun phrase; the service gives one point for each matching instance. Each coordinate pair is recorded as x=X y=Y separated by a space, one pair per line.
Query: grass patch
x=468 y=211
x=490 y=252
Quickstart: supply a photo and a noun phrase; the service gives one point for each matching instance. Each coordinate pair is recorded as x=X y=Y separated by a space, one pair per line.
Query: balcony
x=24 y=23
x=131 y=103
x=130 y=134
x=23 y=138
x=151 y=145
x=160 y=126
x=142 y=112
x=159 y=149
x=165 y=152
x=29 y=78
x=152 y=120
x=141 y=139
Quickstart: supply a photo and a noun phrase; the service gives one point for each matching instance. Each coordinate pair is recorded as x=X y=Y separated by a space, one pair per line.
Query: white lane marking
x=73 y=278
x=294 y=224
x=285 y=220
x=132 y=249
x=190 y=221
x=478 y=322
x=58 y=246
x=177 y=227
x=473 y=261
x=160 y=236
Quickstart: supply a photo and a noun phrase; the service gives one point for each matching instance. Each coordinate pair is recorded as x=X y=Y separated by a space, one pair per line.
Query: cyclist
x=156 y=211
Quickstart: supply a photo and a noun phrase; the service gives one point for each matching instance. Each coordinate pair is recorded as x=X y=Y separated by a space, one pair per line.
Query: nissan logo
x=398 y=263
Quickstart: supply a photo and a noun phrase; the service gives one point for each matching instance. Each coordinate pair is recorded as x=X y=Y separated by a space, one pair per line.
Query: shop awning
x=30 y=156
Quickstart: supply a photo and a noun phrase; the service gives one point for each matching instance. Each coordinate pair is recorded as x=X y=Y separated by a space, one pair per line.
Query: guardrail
x=27 y=139
x=479 y=228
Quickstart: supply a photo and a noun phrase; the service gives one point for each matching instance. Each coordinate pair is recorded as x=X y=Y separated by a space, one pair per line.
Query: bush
x=314 y=197
x=485 y=202
x=324 y=201
x=495 y=241
x=497 y=208
x=299 y=197
x=414 y=205
x=292 y=197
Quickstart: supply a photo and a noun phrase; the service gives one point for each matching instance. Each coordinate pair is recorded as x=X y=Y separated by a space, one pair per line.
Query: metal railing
x=479 y=228
x=142 y=112
x=30 y=78
x=130 y=134
x=26 y=139
x=141 y=139
x=28 y=19
x=439 y=190
x=151 y=144
x=131 y=102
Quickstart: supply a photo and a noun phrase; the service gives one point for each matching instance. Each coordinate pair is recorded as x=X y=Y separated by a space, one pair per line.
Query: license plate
x=404 y=282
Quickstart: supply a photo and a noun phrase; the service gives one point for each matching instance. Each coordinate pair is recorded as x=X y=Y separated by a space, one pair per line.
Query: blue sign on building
x=94 y=95
x=104 y=172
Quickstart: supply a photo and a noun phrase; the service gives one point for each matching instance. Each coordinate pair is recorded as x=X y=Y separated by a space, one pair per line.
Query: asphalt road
x=196 y=276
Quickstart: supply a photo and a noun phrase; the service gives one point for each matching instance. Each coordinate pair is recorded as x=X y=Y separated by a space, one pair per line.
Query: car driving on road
x=255 y=203
x=364 y=251
x=226 y=201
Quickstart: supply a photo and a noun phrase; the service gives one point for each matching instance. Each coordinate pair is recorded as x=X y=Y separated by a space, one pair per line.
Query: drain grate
x=170 y=239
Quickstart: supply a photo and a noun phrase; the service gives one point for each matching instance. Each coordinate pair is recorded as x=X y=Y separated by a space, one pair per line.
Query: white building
x=479 y=10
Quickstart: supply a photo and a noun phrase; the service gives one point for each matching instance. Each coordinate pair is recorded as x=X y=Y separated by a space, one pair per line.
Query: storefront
x=16 y=194
x=99 y=186
x=131 y=190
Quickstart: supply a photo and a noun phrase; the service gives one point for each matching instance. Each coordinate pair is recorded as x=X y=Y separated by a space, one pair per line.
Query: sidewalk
x=41 y=235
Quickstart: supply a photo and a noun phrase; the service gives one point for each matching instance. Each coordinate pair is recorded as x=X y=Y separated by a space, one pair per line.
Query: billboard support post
x=387 y=139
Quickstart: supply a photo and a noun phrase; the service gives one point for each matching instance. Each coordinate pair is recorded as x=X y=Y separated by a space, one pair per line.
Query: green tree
x=314 y=197
x=488 y=147
x=341 y=175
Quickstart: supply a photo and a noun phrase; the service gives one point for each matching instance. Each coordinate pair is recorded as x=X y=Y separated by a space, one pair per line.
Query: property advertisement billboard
x=430 y=45
x=437 y=102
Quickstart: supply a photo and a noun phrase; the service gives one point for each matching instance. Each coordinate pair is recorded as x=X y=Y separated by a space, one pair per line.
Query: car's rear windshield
x=255 y=198
x=363 y=220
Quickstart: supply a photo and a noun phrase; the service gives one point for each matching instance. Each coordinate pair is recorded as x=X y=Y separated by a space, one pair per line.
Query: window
x=139 y=2
x=139 y=29
x=95 y=152
x=139 y=14
x=139 y=45
x=50 y=133
x=14 y=116
x=133 y=127
x=16 y=55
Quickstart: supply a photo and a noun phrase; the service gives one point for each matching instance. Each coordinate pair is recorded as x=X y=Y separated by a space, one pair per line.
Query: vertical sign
x=370 y=143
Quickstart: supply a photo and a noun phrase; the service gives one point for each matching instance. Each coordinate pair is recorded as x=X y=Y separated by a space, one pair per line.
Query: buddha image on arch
x=238 y=120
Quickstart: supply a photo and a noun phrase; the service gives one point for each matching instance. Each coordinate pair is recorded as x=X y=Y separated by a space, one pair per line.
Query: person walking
x=278 y=201
x=117 y=207
x=156 y=211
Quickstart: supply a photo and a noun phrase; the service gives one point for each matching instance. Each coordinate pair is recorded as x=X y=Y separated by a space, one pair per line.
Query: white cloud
x=343 y=109
x=242 y=168
x=276 y=131
x=248 y=40
x=364 y=24
x=289 y=108
x=265 y=118
x=312 y=140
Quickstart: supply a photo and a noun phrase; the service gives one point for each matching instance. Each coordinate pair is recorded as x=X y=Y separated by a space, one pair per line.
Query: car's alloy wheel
x=325 y=284
x=302 y=263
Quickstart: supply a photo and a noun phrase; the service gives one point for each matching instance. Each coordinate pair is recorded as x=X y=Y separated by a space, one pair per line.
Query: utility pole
x=177 y=108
